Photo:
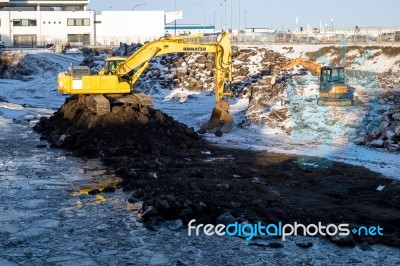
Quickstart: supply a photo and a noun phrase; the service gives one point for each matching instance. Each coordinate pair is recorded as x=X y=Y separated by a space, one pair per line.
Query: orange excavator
x=333 y=90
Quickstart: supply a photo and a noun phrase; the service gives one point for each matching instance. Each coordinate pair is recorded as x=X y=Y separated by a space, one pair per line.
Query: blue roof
x=189 y=27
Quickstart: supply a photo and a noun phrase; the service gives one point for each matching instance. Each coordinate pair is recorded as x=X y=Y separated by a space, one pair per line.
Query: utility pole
x=204 y=16
x=239 y=16
x=214 y=20
x=245 y=19
x=231 y=15
x=225 y=17
x=222 y=25
x=175 y=19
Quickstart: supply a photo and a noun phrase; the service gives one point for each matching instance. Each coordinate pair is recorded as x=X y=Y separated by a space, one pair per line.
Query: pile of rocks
x=195 y=72
x=386 y=135
x=22 y=66
x=389 y=80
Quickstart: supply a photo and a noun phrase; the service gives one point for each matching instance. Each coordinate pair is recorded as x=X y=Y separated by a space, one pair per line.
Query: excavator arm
x=314 y=68
x=139 y=61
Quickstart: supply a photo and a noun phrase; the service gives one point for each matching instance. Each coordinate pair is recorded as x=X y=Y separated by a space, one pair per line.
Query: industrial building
x=42 y=22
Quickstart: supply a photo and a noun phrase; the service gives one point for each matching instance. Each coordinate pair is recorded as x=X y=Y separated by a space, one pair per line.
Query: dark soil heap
x=178 y=175
x=125 y=130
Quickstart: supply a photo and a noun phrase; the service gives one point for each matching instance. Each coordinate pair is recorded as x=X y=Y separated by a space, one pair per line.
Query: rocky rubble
x=267 y=105
x=383 y=131
x=389 y=79
x=195 y=72
x=22 y=66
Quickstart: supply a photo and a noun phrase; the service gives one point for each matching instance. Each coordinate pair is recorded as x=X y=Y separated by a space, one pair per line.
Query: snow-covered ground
x=332 y=143
x=367 y=57
x=45 y=220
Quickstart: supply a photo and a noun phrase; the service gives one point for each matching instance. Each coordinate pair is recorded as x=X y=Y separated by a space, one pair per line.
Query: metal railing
x=371 y=35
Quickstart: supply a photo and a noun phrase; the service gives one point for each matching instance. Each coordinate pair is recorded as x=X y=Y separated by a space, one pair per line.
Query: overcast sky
x=270 y=14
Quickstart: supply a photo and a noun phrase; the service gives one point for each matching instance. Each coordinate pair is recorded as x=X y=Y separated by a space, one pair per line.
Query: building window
x=78 y=22
x=24 y=22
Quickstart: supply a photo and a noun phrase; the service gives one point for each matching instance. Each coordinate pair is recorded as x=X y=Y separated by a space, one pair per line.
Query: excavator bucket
x=221 y=121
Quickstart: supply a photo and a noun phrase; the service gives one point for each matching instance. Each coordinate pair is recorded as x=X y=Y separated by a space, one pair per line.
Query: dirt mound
x=127 y=129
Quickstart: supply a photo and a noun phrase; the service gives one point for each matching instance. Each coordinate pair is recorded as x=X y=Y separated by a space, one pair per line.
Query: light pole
x=204 y=16
x=222 y=25
x=225 y=16
x=239 y=17
x=231 y=15
x=214 y=21
x=142 y=4
x=175 y=19
x=245 y=19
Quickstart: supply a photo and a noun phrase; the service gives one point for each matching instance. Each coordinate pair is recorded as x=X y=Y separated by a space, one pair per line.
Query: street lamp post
x=204 y=16
x=142 y=4
x=225 y=16
x=245 y=19
x=231 y=15
x=222 y=25
x=214 y=21
x=175 y=20
x=239 y=17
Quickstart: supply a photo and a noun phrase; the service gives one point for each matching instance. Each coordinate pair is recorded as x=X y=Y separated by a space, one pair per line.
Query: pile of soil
x=126 y=129
x=178 y=175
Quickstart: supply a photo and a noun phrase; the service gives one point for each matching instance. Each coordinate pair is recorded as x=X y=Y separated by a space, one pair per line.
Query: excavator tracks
x=334 y=102
x=101 y=104
x=98 y=104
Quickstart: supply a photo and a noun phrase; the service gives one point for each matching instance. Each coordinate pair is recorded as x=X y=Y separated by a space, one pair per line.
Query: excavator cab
x=332 y=74
x=332 y=89
x=111 y=63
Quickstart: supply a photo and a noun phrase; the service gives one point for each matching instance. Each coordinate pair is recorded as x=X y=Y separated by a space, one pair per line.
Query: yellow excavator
x=115 y=82
x=333 y=90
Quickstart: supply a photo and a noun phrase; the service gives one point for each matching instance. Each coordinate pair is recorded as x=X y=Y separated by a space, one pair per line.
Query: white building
x=41 y=22
x=113 y=27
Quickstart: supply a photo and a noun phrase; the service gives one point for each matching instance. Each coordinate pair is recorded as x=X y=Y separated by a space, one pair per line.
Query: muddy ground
x=179 y=175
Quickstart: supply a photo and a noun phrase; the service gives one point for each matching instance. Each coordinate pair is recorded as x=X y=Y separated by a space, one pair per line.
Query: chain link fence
x=357 y=35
